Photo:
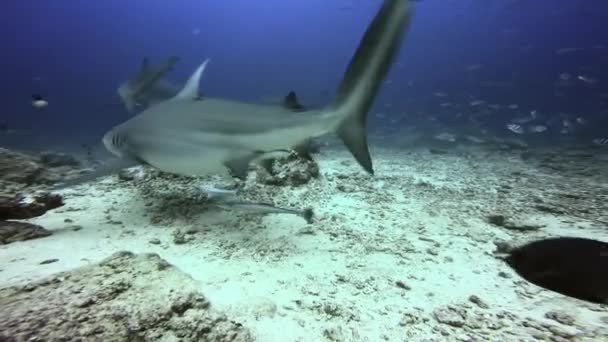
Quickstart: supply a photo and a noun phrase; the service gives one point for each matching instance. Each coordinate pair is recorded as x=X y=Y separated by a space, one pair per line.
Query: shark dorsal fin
x=190 y=90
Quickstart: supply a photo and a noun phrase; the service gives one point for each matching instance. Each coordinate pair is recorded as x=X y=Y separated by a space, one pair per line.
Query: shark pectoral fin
x=191 y=89
x=239 y=166
x=291 y=102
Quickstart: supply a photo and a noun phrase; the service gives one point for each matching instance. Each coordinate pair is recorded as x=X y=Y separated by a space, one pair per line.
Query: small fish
x=513 y=106
x=566 y=123
x=563 y=51
x=380 y=115
x=564 y=76
x=38 y=101
x=445 y=137
x=533 y=114
x=581 y=121
x=574 y=267
x=515 y=128
x=537 y=129
x=474 y=139
x=474 y=67
x=446 y=104
x=587 y=79
x=475 y=103
x=440 y=94
x=601 y=141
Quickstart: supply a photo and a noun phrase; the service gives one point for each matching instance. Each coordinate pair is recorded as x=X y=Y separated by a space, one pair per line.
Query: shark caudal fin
x=367 y=68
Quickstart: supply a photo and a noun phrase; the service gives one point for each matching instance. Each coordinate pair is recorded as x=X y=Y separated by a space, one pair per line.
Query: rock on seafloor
x=125 y=297
x=18 y=170
x=290 y=170
x=19 y=207
x=12 y=231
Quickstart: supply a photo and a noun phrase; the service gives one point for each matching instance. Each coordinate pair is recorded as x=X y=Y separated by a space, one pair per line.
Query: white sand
x=420 y=221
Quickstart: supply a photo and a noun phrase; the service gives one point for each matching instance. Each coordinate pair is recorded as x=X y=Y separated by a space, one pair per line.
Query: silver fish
x=515 y=128
x=601 y=141
x=537 y=129
x=190 y=136
x=227 y=199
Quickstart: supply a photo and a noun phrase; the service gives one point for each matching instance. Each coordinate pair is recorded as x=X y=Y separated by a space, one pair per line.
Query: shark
x=147 y=87
x=194 y=136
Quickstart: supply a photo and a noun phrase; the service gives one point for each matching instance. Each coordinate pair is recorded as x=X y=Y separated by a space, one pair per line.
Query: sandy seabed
x=406 y=255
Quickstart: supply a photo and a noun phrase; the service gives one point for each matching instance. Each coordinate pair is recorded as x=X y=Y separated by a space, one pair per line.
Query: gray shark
x=147 y=87
x=187 y=135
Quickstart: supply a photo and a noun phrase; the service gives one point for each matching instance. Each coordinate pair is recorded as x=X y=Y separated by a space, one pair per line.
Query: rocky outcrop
x=125 y=297
x=291 y=170
x=18 y=169
x=11 y=231
x=18 y=207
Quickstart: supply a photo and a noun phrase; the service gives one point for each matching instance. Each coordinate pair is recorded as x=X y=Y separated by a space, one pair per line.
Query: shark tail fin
x=367 y=68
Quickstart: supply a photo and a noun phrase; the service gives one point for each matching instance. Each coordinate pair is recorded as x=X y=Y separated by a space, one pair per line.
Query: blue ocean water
x=544 y=56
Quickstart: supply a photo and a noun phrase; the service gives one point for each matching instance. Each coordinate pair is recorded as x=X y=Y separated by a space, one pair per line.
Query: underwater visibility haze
x=349 y=170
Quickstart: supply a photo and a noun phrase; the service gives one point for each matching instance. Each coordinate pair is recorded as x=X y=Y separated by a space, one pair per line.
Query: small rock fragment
x=48 y=261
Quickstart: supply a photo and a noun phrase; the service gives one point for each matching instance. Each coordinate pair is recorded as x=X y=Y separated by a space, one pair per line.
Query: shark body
x=188 y=135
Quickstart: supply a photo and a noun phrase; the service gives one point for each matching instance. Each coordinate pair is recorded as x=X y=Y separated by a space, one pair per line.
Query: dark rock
x=450 y=316
x=497 y=220
x=48 y=261
x=11 y=231
x=17 y=207
x=502 y=247
x=477 y=301
x=513 y=224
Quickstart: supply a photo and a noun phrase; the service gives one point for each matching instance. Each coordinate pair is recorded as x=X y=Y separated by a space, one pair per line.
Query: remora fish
x=147 y=87
x=263 y=208
x=190 y=136
x=227 y=199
